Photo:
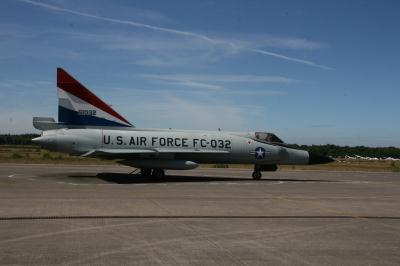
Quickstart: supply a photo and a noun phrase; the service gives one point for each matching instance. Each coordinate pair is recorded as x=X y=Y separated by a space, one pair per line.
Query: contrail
x=174 y=31
x=291 y=59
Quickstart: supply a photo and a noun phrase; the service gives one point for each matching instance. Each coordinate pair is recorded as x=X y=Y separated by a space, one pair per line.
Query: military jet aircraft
x=89 y=127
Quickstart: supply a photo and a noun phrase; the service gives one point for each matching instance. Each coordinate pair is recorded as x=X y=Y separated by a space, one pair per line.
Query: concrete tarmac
x=100 y=215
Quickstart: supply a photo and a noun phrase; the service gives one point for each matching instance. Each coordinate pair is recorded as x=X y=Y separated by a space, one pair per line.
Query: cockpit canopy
x=269 y=138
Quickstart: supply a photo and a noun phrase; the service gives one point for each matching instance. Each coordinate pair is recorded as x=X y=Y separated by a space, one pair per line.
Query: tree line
x=328 y=149
x=23 y=139
x=341 y=151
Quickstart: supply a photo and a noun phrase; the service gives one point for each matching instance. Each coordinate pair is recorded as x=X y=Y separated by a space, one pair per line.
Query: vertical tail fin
x=78 y=106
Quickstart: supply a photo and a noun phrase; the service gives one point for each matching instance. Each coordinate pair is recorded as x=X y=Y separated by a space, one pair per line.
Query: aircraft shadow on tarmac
x=121 y=178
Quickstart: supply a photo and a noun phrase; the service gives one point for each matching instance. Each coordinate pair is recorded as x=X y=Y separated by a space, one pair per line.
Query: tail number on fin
x=87 y=112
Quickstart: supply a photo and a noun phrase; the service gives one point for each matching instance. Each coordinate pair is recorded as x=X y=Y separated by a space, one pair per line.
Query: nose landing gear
x=257 y=172
x=257 y=175
x=263 y=168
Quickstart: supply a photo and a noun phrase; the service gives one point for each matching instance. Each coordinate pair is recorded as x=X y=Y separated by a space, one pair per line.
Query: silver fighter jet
x=88 y=127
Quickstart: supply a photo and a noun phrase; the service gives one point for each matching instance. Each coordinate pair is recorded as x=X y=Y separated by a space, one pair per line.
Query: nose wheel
x=256 y=175
x=257 y=172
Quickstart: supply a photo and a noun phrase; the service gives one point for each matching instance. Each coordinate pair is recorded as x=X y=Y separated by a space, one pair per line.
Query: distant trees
x=329 y=149
x=24 y=139
x=342 y=151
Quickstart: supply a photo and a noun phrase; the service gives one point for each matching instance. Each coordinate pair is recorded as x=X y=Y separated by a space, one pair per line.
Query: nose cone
x=318 y=159
x=37 y=140
x=45 y=142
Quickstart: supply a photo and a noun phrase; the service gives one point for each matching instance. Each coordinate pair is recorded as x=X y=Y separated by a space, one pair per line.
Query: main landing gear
x=156 y=173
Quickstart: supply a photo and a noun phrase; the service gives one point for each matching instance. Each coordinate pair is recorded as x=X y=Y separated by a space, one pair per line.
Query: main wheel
x=158 y=173
x=145 y=172
x=256 y=175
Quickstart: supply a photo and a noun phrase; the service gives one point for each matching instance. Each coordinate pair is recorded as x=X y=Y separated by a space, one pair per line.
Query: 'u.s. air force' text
x=167 y=142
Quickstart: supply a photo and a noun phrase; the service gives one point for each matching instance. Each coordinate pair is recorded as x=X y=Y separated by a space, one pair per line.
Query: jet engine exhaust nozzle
x=318 y=159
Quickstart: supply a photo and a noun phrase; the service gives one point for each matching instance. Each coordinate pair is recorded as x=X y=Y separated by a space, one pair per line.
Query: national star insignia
x=260 y=153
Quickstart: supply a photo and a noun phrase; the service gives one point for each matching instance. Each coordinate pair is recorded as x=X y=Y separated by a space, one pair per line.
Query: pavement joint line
x=82 y=217
x=354 y=217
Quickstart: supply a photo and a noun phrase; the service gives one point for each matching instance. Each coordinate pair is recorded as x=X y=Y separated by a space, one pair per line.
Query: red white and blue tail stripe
x=78 y=106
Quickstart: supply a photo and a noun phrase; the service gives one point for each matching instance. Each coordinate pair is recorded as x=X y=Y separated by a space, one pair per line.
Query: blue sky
x=313 y=72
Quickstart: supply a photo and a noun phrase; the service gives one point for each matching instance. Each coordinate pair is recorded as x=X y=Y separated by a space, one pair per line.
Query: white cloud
x=293 y=43
x=222 y=78
x=137 y=41
x=218 y=82
x=161 y=50
x=252 y=92
x=15 y=84
x=231 y=46
x=172 y=111
x=203 y=84
x=257 y=41
x=112 y=91
x=153 y=61
x=160 y=61
x=306 y=62
x=191 y=83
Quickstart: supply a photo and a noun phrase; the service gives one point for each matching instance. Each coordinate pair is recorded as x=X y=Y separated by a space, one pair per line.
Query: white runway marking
x=76 y=184
x=357 y=182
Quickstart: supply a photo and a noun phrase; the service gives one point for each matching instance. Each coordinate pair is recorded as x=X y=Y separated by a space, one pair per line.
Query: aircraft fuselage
x=201 y=147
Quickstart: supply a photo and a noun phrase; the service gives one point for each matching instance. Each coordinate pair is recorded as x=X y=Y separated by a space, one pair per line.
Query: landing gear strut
x=257 y=173
x=258 y=168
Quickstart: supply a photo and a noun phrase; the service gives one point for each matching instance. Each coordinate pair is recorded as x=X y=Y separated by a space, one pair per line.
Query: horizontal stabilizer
x=44 y=123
